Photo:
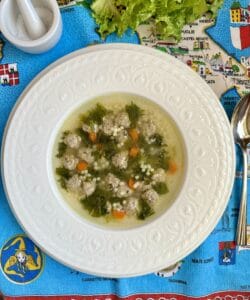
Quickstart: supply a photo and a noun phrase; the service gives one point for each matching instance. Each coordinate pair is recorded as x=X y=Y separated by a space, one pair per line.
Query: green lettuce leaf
x=213 y=7
x=169 y=16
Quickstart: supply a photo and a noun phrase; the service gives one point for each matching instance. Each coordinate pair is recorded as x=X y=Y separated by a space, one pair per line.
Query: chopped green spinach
x=158 y=139
x=84 y=136
x=145 y=210
x=159 y=160
x=62 y=147
x=103 y=138
x=96 y=204
x=110 y=149
x=134 y=112
x=143 y=144
x=95 y=115
x=62 y=182
x=63 y=172
x=121 y=174
x=161 y=188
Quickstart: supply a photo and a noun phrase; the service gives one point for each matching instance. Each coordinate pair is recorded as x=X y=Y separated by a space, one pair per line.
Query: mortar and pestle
x=33 y=26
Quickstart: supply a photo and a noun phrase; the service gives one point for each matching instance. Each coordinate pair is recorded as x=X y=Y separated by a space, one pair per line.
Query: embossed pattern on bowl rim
x=143 y=71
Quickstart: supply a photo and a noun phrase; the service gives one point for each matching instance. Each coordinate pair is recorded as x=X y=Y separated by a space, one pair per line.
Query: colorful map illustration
x=207 y=46
x=219 y=51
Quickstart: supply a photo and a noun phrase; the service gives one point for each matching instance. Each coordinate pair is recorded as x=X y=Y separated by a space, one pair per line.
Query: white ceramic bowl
x=29 y=181
x=12 y=26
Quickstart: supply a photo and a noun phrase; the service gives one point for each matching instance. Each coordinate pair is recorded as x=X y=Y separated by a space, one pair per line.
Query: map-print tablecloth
x=219 y=50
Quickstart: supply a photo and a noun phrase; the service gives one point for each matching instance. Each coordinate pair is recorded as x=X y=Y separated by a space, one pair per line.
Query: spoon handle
x=241 y=238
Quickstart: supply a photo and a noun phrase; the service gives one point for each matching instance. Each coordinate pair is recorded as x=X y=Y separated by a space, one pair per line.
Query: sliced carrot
x=134 y=151
x=93 y=137
x=118 y=214
x=131 y=183
x=172 y=167
x=134 y=134
x=82 y=165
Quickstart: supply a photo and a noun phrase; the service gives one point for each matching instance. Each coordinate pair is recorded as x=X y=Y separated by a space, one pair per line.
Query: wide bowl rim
x=70 y=56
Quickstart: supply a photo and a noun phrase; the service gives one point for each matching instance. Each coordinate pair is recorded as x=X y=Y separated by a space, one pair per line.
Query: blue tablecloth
x=216 y=270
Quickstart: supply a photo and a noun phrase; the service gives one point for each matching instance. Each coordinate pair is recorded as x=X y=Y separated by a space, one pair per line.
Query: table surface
x=216 y=268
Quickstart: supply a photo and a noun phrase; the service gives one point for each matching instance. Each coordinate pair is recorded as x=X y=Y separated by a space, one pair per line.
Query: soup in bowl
x=119 y=160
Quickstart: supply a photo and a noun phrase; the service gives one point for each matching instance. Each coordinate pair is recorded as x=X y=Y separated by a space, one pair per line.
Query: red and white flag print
x=240 y=36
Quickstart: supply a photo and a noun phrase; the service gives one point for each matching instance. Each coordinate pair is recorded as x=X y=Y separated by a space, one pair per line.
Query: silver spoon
x=241 y=131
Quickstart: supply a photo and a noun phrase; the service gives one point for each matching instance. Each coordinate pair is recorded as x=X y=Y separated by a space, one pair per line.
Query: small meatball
x=123 y=191
x=146 y=187
x=116 y=130
x=150 y=196
x=120 y=160
x=147 y=127
x=122 y=119
x=108 y=125
x=112 y=181
x=72 y=140
x=74 y=183
x=159 y=175
x=89 y=187
x=70 y=162
x=86 y=155
x=131 y=206
x=139 y=186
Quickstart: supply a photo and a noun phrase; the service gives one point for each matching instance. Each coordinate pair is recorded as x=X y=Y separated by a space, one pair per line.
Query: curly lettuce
x=169 y=16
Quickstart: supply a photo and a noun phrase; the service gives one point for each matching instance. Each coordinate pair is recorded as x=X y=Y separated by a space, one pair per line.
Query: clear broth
x=166 y=127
